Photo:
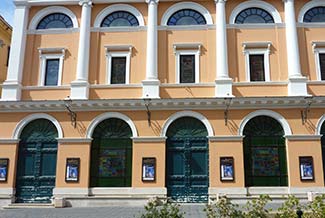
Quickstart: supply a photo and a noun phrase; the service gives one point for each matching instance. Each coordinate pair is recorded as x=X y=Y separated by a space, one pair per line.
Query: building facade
x=5 y=38
x=119 y=101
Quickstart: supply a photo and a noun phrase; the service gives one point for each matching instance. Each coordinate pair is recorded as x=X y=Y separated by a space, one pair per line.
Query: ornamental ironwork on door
x=36 y=168
x=265 y=153
x=187 y=176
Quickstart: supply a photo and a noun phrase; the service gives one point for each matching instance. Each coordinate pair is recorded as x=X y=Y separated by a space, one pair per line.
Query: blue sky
x=7 y=10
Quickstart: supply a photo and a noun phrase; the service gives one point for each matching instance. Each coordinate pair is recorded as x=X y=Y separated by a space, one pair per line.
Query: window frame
x=196 y=54
x=257 y=49
x=118 y=51
x=50 y=54
x=318 y=48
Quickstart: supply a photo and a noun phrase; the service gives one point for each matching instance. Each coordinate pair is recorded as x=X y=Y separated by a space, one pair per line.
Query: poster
x=4 y=169
x=112 y=163
x=306 y=168
x=72 y=170
x=265 y=161
x=227 y=169
x=149 y=169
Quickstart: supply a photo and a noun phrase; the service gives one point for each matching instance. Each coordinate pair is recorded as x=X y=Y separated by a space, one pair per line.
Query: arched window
x=55 y=20
x=314 y=15
x=111 y=154
x=254 y=15
x=186 y=17
x=120 y=18
x=264 y=153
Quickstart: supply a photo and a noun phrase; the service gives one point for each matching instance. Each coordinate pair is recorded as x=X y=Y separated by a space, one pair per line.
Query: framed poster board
x=227 y=170
x=4 y=164
x=306 y=168
x=148 y=169
x=72 y=170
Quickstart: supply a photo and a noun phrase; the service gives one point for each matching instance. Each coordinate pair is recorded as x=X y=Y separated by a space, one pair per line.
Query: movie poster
x=148 y=169
x=227 y=168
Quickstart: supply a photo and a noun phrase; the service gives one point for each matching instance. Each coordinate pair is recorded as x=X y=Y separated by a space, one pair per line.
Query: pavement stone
x=191 y=211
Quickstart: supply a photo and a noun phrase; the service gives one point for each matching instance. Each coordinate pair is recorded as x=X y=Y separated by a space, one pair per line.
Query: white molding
x=118 y=7
x=53 y=31
x=255 y=3
x=284 y=123
x=319 y=125
x=193 y=114
x=70 y=192
x=62 y=87
x=119 y=29
x=148 y=139
x=305 y=190
x=9 y=141
x=20 y=126
x=318 y=48
x=186 y=5
x=214 y=191
x=309 y=5
x=126 y=192
x=256 y=26
x=230 y=138
x=108 y=115
x=116 y=86
x=7 y=192
x=187 y=85
x=118 y=51
x=257 y=48
x=74 y=140
x=303 y=137
x=178 y=54
x=48 y=54
x=261 y=83
x=50 y=10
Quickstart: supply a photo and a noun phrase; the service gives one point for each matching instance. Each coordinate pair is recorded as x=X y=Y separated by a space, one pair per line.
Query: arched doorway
x=187 y=167
x=36 y=167
x=322 y=132
x=264 y=153
x=111 y=154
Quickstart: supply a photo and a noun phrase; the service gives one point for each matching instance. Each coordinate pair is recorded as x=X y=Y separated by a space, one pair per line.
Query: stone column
x=11 y=88
x=151 y=83
x=80 y=87
x=297 y=83
x=223 y=82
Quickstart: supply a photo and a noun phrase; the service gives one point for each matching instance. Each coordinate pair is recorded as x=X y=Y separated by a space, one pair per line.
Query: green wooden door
x=187 y=178
x=36 y=169
x=111 y=154
x=265 y=153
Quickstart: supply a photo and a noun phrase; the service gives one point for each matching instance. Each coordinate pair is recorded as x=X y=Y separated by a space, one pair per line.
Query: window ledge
x=112 y=86
x=187 y=85
x=45 y=87
x=279 y=83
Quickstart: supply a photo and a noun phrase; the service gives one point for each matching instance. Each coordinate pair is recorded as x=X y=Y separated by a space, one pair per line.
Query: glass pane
x=187 y=68
x=120 y=18
x=118 y=70
x=186 y=17
x=52 y=72
x=48 y=166
x=316 y=14
x=112 y=163
x=256 y=64
x=254 y=15
x=322 y=65
x=56 y=20
x=265 y=162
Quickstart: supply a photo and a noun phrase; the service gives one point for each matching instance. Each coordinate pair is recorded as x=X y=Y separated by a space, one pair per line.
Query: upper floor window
x=314 y=15
x=319 y=51
x=254 y=15
x=54 y=21
x=120 y=18
x=186 y=17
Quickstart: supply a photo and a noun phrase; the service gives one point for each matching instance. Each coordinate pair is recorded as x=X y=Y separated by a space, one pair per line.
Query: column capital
x=152 y=1
x=285 y=1
x=85 y=2
x=220 y=1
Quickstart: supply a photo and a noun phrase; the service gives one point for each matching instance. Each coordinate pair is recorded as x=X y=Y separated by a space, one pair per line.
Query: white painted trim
x=74 y=140
x=118 y=7
x=20 y=126
x=9 y=141
x=186 y=5
x=309 y=5
x=118 y=51
x=62 y=87
x=305 y=190
x=187 y=85
x=7 y=192
x=108 y=115
x=98 y=191
x=50 y=10
x=258 y=4
x=193 y=114
x=270 y=83
x=70 y=191
x=303 y=137
x=53 y=31
x=285 y=125
x=178 y=54
x=257 y=48
x=318 y=48
x=148 y=139
x=230 y=138
x=319 y=125
x=44 y=56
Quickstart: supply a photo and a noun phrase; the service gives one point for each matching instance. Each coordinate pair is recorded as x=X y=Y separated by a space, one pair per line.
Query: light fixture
x=306 y=110
x=227 y=102
x=147 y=102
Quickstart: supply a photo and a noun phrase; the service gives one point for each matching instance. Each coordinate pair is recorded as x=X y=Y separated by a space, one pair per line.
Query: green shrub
x=158 y=209
x=223 y=208
x=289 y=208
x=316 y=209
x=256 y=207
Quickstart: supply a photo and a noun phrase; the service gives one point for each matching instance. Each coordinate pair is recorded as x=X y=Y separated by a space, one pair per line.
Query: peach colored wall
x=259 y=90
x=148 y=149
x=73 y=150
x=298 y=148
x=187 y=92
x=115 y=93
x=47 y=94
x=9 y=151
x=226 y=149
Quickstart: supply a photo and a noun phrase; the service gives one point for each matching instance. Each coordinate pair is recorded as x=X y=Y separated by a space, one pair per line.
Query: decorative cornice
x=152 y=1
x=163 y=104
x=85 y=2
x=303 y=137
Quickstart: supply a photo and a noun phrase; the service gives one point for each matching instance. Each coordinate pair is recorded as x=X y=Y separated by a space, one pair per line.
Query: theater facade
x=114 y=102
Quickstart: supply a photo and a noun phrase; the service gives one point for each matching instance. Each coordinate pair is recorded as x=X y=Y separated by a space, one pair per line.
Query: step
x=28 y=205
